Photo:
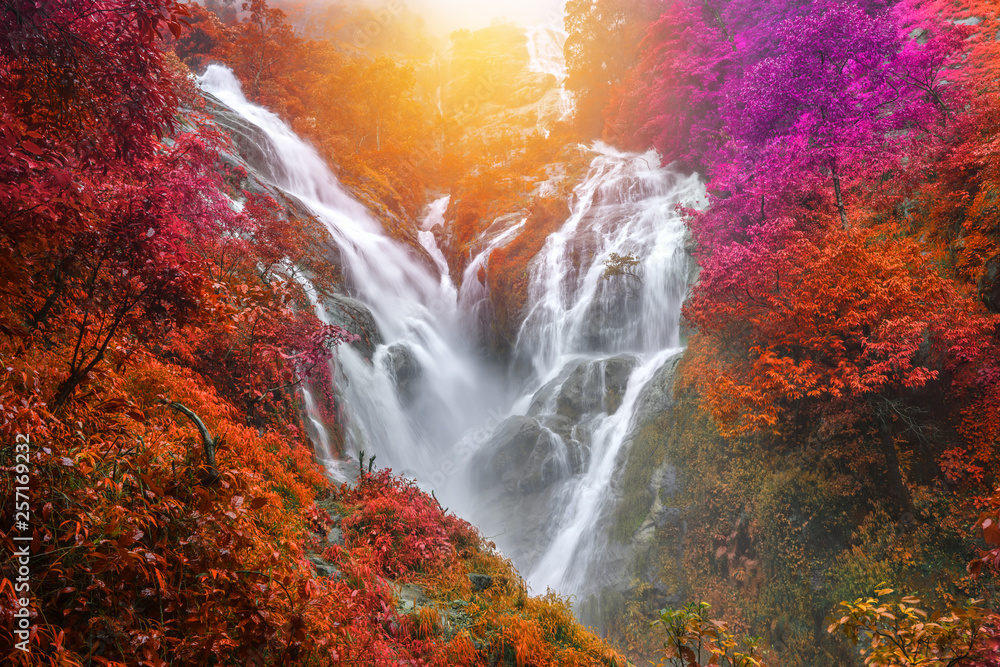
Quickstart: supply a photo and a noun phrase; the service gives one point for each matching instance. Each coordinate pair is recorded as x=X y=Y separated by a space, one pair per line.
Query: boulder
x=526 y=457
x=252 y=145
x=404 y=369
x=595 y=386
x=480 y=582
x=658 y=394
x=356 y=318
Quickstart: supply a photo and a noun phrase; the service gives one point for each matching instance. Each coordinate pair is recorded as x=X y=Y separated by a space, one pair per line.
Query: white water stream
x=545 y=56
x=577 y=326
x=415 y=309
x=580 y=325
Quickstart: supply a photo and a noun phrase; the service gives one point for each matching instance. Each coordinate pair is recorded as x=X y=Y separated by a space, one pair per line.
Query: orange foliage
x=842 y=316
x=361 y=113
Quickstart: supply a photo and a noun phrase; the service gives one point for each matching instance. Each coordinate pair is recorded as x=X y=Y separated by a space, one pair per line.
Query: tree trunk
x=37 y=319
x=64 y=391
x=895 y=477
x=839 y=196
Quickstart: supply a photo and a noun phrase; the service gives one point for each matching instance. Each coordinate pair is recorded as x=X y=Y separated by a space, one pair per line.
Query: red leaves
x=88 y=73
x=839 y=317
x=402 y=526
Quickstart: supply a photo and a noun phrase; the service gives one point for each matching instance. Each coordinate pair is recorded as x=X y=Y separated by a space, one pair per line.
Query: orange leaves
x=838 y=316
x=461 y=651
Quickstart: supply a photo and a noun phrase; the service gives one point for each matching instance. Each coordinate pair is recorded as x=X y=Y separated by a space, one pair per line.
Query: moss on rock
x=646 y=454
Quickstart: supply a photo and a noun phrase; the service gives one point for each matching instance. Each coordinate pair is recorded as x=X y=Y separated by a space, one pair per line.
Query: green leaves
x=694 y=639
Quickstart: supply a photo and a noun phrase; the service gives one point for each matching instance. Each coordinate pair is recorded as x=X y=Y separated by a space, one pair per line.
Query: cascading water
x=590 y=345
x=434 y=218
x=587 y=350
x=473 y=297
x=545 y=56
x=415 y=311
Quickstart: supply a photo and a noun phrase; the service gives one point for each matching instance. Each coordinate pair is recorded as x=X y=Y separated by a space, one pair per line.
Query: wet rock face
x=356 y=318
x=595 y=386
x=530 y=453
x=529 y=458
x=526 y=457
x=250 y=142
x=405 y=370
x=611 y=322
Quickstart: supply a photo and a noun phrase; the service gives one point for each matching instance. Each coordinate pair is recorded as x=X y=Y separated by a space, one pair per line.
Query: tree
x=88 y=73
x=673 y=99
x=204 y=38
x=130 y=268
x=837 y=321
x=601 y=46
x=262 y=48
x=831 y=100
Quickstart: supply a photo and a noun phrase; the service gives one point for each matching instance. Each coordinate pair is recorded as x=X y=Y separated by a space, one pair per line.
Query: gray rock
x=410 y=597
x=549 y=461
x=526 y=457
x=405 y=370
x=558 y=424
x=250 y=142
x=356 y=318
x=480 y=582
x=323 y=568
x=595 y=386
x=658 y=394
x=512 y=445
x=335 y=536
x=617 y=371
x=543 y=401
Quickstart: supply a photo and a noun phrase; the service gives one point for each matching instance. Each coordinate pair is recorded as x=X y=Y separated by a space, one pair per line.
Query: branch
x=207 y=440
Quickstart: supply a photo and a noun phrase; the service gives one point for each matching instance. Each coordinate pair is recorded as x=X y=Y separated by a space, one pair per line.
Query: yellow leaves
x=906 y=638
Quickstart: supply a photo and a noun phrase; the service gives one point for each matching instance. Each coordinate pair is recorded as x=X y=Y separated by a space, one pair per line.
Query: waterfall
x=532 y=457
x=474 y=294
x=414 y=307
x=591 y=346
x=434 y=217
x=545 y=56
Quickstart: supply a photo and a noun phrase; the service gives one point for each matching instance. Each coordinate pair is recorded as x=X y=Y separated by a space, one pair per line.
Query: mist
x=443 y=16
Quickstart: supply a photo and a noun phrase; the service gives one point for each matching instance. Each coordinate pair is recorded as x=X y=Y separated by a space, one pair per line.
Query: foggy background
x=443 y=16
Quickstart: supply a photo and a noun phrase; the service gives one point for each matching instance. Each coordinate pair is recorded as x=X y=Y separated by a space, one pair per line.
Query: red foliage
x=400 y=525
x=89 y=72
x=851 y=173
x=129 y=281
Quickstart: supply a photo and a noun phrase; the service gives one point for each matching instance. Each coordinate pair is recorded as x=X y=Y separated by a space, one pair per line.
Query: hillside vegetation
x=835 y=420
